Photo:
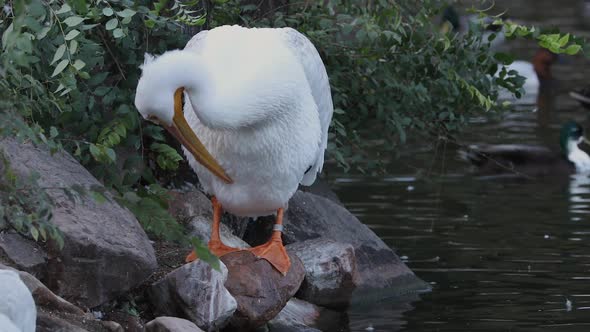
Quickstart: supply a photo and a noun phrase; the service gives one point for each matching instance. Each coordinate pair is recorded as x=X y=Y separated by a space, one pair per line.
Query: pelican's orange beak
x=181 y=130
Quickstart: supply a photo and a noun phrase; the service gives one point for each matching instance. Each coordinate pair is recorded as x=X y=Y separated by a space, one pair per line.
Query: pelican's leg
x=216 y=247
x=273 y=250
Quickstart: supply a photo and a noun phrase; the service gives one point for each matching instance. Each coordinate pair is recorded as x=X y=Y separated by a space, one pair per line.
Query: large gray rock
x=23 y=253
x=106 y=251
x=261 y=291
x=196 y=292
x=200 y=227
x=310 y=216
x=330 y=271
x=194 y=207
x=297 y=315
x=171 y=324
x=56 y=314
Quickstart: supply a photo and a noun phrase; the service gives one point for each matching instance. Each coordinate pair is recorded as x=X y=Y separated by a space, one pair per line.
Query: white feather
x=17 y=307
x=578 y=156
x=259 y=100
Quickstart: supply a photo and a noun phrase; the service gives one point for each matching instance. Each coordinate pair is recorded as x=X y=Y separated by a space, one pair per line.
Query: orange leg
x=216 y=247
x=273 y=250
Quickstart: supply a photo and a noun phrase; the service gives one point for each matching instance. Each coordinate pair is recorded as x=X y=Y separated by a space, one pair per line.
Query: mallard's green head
x=570 y=132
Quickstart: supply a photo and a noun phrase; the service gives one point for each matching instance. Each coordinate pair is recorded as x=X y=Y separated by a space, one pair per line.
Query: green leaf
x=108 y=11
x=118 y=33
x=94 y=151
x=564 y=40
x=73 y=46
x=79 y=64
x=573 y=49
x=72 y=34
x=98 y=196
x=60 y=67
x=111 y=24
x=204 y=254
x=64 y=9
x=34 y=233
x=126 y=12
x=43 y=32
x=53 y=132
x=59 y=53
x=72 y=21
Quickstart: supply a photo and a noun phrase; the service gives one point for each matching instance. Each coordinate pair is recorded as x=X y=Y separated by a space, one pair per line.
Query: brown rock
x=330 y=271
x=171 y=324
x=260 y=290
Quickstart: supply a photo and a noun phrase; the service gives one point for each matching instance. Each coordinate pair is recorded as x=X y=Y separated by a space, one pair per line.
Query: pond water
x=501 y=254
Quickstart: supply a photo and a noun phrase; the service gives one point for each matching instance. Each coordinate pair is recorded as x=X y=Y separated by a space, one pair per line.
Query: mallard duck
x=251 y=108
x=17 y=307
x=532 y=160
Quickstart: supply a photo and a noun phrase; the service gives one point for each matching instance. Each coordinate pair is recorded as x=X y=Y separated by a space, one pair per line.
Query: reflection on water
x=502 y=254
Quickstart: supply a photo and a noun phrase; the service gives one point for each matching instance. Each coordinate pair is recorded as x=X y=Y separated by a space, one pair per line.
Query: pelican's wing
x=320 y=88
x=196 y=43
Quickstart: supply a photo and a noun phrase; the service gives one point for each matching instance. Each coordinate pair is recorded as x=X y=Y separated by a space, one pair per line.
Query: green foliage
x=70 y=69
x=26 y=207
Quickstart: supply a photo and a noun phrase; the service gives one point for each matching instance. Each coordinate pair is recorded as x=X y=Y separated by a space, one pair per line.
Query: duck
x=251 y=108
x=532 y=160
x=17 y=307
x=536 y=74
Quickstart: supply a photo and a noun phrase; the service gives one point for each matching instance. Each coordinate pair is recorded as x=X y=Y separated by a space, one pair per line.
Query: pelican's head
x=160 y=98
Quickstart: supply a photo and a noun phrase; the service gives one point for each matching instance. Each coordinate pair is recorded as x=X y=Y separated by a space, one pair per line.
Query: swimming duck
x=536 y=73
x=251 y=108
x=532 y=160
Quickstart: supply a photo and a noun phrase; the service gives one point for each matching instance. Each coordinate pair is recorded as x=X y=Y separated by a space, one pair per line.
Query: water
x=501 y=254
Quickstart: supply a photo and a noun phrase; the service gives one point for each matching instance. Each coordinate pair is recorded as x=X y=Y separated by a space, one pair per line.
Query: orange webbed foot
x=275 y=253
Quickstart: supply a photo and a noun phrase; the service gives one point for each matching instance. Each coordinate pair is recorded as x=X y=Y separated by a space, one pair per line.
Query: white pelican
x=17 y=307
x=259 y=102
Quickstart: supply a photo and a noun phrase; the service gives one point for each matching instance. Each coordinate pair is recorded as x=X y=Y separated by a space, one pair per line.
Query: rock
x=22 y=253
x=322 y=188
x=260 y=290
x=200 y=227
x=296 y=313
x=195 y=291
x=195 y=207
x=106 y=251
x=171 y=324
x=310 y=216
x=330 y=271
x=56 y=314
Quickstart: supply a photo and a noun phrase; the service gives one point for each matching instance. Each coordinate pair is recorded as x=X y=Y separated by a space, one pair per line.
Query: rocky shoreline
x=111 y=277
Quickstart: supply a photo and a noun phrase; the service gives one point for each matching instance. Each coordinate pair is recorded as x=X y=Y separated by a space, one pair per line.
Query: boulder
x=200 y=227
x=330 y=271
x=260 y=290
x=171 y=324
x=106 y=251
x=194 y=206
x=56 y=314
x=310 y=216
x=195 y=291
x=296 y=314
x=23 y=253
